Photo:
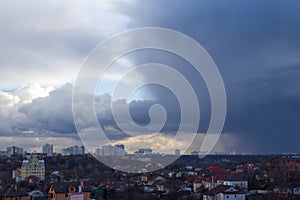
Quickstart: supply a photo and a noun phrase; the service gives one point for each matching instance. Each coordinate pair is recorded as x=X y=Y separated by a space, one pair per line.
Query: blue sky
x=255 y=45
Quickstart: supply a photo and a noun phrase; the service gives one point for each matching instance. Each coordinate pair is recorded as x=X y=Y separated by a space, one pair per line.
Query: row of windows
x=34 y=170
x=27 y=173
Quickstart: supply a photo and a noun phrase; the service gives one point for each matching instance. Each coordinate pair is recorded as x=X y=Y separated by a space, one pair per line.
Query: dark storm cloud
x=52 y=115
x=256 y=46
x=266 y=110
x=242 y=37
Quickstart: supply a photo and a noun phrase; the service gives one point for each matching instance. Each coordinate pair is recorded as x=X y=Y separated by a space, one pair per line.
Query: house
x=198 y=184
x=213 y=181
x=159 y=179
x=291 y=188
x=246 y=167
x=36 y=194
x=224 y=192
x=158 y=182
x=296 y=190
x=234 y=181
x=69 y=190
x=210 y=183
x=13 y=193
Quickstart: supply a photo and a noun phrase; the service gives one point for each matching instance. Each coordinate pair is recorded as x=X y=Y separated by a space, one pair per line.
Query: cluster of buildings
x=107 y=150
x=111 y=150
x=74 y=150
x=57 y=191
x=13 y=150
x=219 y=179
x=119 y=150
x=47 y=150
x=144 y=151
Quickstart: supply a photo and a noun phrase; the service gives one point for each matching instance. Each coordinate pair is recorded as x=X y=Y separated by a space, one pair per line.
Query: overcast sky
x=255 y=44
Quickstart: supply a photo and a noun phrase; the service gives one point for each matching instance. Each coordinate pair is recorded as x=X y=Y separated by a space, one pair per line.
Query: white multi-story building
x=110 y=150
x=234 y=182
x=48 y=149
x=75 y=150
x=65 y=152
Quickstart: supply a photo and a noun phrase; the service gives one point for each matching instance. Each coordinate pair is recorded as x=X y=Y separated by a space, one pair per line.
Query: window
x=66 y=195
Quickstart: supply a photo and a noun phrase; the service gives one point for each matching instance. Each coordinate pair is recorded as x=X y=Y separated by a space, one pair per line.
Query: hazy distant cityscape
x=107 y=150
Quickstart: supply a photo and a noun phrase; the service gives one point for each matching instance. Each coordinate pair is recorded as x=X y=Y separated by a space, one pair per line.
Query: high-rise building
x=110 y=150
x=3 y=153
x=98 y=152
x=48 y=149
x=177 y=152
x=75 y=150
x=33 y=167
x=65 y=152
x=119 y=150
x=14 y=151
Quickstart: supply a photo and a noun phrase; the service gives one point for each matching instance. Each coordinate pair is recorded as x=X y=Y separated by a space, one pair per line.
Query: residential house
x=69 y=190
x=249 y=166
x=210 y=183
x=224 y=192
x=198 y=184
x=213 y=181
x=234 y=181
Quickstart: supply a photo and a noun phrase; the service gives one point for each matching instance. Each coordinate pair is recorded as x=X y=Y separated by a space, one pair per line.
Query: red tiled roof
x=217 y=190
x=214 y=178
x=199 y=179
x=191 y=178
